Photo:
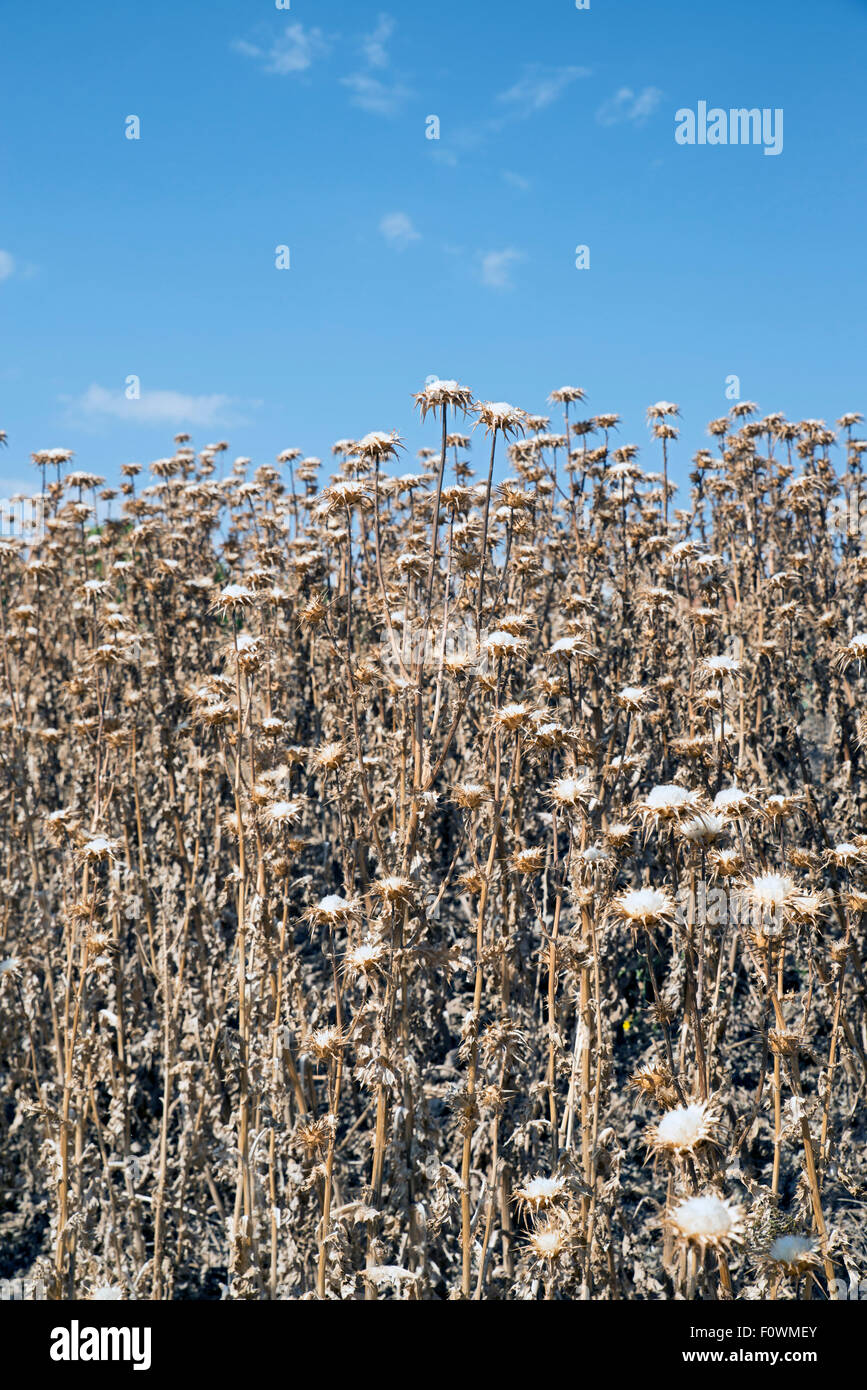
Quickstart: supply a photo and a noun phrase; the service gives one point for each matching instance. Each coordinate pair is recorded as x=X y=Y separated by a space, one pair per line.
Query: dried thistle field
x=425 y=886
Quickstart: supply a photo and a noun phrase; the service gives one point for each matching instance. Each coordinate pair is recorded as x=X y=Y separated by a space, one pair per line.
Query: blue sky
x=411 y=257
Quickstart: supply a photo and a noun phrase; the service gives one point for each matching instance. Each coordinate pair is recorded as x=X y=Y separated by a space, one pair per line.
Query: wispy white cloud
x=496 y=267
x=627 y=105
x=538 y=88
x=153 y=407
x=398 y=230
x=295 y=50
x=7 y=265
x=373 y=45
x=517 y=181
x=442 y=154
x=382 y=98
